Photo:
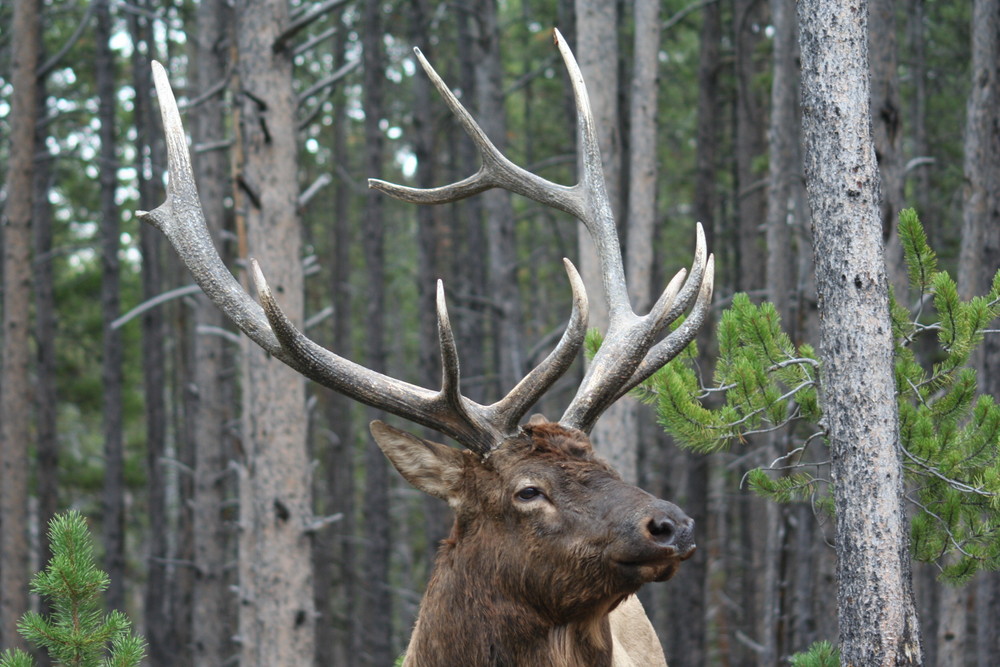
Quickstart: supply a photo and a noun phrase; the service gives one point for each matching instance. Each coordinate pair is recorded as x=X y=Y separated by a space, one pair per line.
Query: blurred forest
x=126 y=396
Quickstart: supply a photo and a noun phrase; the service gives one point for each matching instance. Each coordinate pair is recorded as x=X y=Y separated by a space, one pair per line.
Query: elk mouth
x=659 y=567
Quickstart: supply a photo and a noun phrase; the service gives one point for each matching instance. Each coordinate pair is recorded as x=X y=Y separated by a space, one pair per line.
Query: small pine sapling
x=76 y=633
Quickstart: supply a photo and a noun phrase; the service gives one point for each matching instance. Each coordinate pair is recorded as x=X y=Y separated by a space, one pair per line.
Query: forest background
x=126 y=384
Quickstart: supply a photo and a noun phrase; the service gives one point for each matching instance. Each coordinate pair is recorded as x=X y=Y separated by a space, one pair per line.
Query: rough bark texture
x=878 y=623
x=15 y=392
x=210 y=406
x=113 y=518
x=276 y=621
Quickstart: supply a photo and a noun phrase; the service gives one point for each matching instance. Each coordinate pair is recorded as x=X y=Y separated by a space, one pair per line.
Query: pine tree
x=76 y=634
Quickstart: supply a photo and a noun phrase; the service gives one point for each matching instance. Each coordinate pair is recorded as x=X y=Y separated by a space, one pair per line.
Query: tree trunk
x=15 y=389
x=496 y=203
x=887 y=123
x=211 y=401
x=980 y=249
x=111 y=368
x=160 y=624
x=749 y=144
x=277 y=620
x=377 y=609
x=878 y=622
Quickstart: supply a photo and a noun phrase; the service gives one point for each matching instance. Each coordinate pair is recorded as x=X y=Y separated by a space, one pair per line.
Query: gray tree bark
x=276 y=612
x=211 y=406
x=878 y=621
x=15 y=388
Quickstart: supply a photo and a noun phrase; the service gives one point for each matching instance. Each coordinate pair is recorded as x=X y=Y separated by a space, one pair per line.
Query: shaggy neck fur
x=467 y=619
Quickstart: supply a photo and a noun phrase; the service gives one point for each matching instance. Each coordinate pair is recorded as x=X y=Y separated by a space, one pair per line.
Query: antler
x=477 y=427
x=630 y=352
x=628 y=356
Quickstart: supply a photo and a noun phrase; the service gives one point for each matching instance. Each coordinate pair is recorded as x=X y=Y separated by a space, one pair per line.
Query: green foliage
x=948 y=436
x=77 y=633
x=820 y=654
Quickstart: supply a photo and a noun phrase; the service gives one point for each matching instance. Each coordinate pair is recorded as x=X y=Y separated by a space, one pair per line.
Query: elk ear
x=431 y=467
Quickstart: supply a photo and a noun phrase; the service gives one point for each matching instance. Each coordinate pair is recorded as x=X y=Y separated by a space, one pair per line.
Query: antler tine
x=628 y=354
x=496 y=170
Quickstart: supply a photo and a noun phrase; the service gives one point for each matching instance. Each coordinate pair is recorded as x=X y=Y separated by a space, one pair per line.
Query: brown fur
x=531 y=582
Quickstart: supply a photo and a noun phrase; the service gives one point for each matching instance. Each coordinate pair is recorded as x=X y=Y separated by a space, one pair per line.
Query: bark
x=878 y=622
x=377 y=608
x=887 y=123
x=210 y=404
x=917 y=120
x=707 y=128
x=111 y=366
x=276 y=617
x=15 y=391
x=980 y=248
x=749 y=144
x=953 y=626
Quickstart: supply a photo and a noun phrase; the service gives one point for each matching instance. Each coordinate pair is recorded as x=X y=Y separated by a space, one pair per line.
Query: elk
x=549 y=544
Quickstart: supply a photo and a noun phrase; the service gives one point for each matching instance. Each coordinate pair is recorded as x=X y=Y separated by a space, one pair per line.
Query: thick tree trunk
x=211 y=403
x=878 y=622
x=15 y=388
x=377 y=609
x=277 y=621
x=111 y=362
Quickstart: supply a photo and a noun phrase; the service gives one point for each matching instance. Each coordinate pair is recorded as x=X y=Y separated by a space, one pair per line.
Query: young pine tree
x=76 y=634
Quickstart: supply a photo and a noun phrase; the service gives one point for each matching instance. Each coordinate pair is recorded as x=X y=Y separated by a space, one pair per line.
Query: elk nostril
x=662 y=530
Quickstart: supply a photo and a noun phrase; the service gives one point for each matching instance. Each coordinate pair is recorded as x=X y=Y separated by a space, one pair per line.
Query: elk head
x=548 y=539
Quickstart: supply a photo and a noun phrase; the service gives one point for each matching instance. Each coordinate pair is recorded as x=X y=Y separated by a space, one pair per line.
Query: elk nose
x=670 y=529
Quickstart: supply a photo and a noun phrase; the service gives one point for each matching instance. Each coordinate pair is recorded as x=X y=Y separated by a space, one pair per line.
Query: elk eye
x=528 y=493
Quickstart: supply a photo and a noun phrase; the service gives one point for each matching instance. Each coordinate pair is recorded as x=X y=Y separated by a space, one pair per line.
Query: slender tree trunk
x=749 y=144
x=980 y=249
x=211 y=401
x=887 y=123
x=277 y=619
x=502 y=258
x=111 y=368
x=338 y=631
x=15 y=391
x=377 y=609
x=878 y=621
x=163 y=642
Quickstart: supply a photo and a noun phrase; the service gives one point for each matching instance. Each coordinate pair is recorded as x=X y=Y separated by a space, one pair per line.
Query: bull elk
x=549 y=544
